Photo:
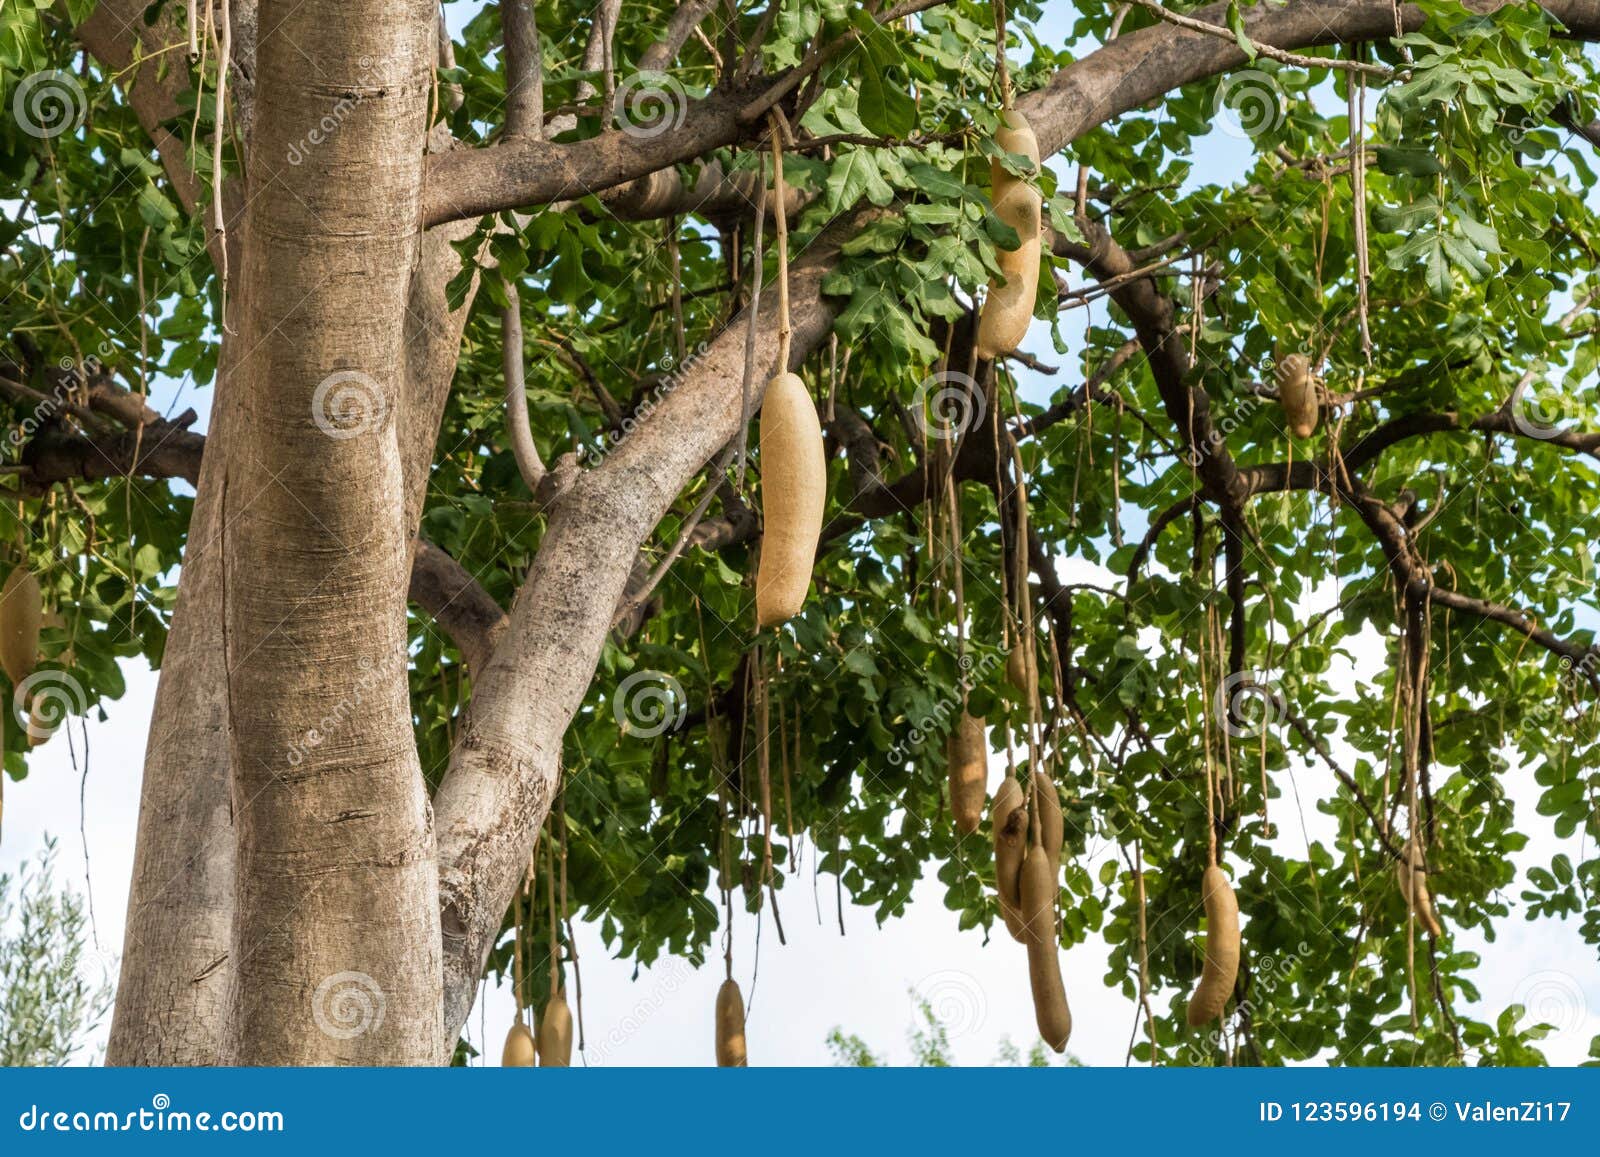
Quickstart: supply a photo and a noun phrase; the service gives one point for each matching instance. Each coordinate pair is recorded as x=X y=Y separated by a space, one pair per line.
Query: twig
x=529 y=465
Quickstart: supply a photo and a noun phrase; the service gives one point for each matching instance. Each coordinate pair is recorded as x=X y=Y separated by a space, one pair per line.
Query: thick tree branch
x=1188 y=406
x=460 y=606
x=684 y=21
x=439 y=585
x=710 y=192
x=1307 y=474
x=505 y=767
x=1139 y=66
x=504 y=770
x=524 y=68
x=1416 y=580
x=467 y=183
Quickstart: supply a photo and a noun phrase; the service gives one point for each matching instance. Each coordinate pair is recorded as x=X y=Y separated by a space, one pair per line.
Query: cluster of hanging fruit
x=550 y=1044
x=1028 y=834
x=551 y=1047
x=1027 y=826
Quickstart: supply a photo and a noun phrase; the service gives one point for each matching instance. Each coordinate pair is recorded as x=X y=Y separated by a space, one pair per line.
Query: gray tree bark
x=335 y=940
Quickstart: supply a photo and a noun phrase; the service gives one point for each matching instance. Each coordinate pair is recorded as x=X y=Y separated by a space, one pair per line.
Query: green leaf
x=1240 y=37
x=1408 y=161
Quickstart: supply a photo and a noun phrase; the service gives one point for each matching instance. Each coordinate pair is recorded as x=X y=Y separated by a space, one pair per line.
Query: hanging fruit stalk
x=967 y=749
x=794 y=468
x=1221 y=966
x=519 y=1051
x=555 y=1026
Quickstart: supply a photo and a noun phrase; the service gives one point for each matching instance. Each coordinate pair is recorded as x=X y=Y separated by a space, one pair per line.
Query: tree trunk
x=335 y=942
x=175 y=946
x=175 y=966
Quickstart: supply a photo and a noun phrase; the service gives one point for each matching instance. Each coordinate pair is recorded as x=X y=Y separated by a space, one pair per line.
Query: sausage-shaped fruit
x=555 y=1033
x=1008 y=308
x=519 y=1050
x=1411 y=870
x=1040 y=888
x=1297 y=394
x=40 y=726
x=730 y=1026
x=1052 y=825
x=21 y=616
x=1009 y=817
x=1017 y=669
x=1222 y=948
x=1050 y=1009
x=967 y=753
x=794 y=482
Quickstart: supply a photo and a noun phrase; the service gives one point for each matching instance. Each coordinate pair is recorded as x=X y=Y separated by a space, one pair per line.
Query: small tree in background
x=47 y=1003
x=930 y=1047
